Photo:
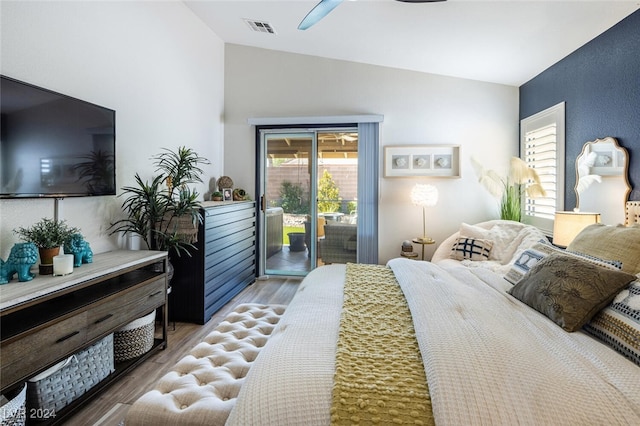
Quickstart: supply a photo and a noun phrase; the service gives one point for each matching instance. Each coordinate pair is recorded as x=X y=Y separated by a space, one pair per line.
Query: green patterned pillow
x=569 y=290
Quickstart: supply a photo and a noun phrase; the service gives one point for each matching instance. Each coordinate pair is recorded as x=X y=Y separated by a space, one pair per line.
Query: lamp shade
x=569 y=224
x=424 y=195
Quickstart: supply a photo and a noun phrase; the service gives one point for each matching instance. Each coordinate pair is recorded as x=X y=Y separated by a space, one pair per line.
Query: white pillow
x=508 y=238
x=478 y=233
x=472 y=231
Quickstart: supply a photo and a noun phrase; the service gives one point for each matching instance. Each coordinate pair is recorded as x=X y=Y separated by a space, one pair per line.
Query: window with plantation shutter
x=542 y=148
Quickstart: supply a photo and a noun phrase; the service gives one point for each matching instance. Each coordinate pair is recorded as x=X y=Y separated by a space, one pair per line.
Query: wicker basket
x=135 y=338
x=55 y=388
x=183 y=227
x=13 y=411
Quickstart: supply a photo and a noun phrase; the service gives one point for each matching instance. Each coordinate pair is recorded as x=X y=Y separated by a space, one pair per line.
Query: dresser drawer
x=119 y=310
x=23 y=355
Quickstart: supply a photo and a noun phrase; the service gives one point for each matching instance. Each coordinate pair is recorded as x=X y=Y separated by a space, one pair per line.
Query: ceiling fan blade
x=321 y=10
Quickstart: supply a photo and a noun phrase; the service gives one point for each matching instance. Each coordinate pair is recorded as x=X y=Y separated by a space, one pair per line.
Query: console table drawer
x=49 y=344
x=119 y=310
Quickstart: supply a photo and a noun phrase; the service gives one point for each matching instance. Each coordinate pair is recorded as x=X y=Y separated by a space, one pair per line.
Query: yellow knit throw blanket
x=379 y=376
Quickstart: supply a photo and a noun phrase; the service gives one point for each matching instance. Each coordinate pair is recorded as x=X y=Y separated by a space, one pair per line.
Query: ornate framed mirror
x=602 y=180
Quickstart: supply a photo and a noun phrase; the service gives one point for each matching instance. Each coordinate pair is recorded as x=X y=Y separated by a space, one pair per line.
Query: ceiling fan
x=323 y=8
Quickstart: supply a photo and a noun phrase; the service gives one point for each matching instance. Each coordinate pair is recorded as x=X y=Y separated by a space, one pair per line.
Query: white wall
x=155 y=63
x=418 y=109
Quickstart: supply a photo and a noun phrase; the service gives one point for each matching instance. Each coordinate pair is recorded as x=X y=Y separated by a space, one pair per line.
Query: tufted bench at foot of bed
x=202 y=387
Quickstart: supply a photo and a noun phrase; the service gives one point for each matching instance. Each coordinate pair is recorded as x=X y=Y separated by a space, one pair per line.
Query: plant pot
x=296 y=241
x=157 y=267
x=184 y=228
x=46 y=259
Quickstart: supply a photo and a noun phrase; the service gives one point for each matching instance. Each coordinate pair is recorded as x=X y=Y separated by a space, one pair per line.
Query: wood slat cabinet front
x=48 y=319
x=222 y=265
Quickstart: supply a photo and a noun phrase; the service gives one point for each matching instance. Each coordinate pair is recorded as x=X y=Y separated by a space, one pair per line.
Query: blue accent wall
x=600 y=83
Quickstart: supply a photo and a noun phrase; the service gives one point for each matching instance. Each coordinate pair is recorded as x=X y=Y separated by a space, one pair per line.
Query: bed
x=487 y=356
x=501 y=327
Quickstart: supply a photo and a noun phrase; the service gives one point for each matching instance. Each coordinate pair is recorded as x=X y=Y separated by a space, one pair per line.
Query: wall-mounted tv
x=53 y=145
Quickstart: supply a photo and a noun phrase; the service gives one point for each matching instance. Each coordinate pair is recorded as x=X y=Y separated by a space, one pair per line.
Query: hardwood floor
x=111 y=406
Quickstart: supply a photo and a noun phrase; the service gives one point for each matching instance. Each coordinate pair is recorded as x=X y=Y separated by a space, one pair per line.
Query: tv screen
x=53 y=145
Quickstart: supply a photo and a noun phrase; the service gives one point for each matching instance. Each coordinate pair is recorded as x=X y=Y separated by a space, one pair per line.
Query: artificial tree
x=166 y=212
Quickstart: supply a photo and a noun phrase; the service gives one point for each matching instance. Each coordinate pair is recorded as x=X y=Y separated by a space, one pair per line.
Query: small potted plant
x=48 y=235
x=216 y=196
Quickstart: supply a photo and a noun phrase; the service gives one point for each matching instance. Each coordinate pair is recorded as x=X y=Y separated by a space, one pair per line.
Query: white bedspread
x=489 y=359
x=291 y=380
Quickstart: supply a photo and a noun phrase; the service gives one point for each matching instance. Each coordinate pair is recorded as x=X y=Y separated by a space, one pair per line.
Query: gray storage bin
x=55 y=388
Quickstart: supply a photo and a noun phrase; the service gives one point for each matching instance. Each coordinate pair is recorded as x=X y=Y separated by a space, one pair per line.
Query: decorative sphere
x=225 y=182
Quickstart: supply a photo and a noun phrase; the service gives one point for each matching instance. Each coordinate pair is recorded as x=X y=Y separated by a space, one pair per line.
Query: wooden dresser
x=46 y=320
x=222 y=265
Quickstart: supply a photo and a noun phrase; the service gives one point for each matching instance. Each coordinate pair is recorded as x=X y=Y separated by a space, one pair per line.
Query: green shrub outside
x=294 y=198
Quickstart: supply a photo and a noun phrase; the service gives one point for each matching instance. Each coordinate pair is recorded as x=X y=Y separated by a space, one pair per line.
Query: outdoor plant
x=329 y=200
x=293 y=198
x=47 y=233
x=510 y=190
x=158 y=210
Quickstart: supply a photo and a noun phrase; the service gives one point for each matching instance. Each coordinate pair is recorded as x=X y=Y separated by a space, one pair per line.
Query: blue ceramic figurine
x=80 y=249
x=21 y=258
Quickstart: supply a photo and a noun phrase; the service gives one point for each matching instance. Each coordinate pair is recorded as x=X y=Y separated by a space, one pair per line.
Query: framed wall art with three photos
x=422 y=160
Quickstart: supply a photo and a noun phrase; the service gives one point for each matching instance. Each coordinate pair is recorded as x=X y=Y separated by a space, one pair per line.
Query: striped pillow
x=618 y=325
x=471 y=249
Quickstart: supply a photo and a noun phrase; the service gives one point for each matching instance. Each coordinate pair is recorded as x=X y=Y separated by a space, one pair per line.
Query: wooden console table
x=48 y=319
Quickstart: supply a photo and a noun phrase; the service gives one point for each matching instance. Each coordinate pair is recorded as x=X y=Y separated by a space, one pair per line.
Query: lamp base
x=425 y=240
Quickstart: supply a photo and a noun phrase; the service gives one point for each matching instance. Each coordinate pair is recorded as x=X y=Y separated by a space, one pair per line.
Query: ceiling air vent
x=260 y=26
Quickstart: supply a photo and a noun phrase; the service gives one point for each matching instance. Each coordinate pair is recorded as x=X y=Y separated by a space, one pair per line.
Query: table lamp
x=569 y=224
x=425 y=196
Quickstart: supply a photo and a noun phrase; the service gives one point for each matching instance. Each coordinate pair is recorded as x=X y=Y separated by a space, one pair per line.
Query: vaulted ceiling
x=505 y=41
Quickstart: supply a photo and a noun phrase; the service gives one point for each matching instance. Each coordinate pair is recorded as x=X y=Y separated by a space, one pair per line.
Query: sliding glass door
x=287 y=201
x=309 y=184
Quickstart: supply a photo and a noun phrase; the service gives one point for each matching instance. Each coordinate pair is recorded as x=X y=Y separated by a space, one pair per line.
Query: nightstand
x=423 y=243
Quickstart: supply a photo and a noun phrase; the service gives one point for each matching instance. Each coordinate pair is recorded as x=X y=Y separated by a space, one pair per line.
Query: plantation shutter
x=543 y=150
x=541 y=154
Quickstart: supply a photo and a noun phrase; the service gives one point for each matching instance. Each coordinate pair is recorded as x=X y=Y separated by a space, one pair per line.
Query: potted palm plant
x=165 y=212
x=48 y=235
x=509 y=191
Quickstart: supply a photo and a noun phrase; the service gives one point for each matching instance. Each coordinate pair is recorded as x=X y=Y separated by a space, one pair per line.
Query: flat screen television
x=53 y=145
